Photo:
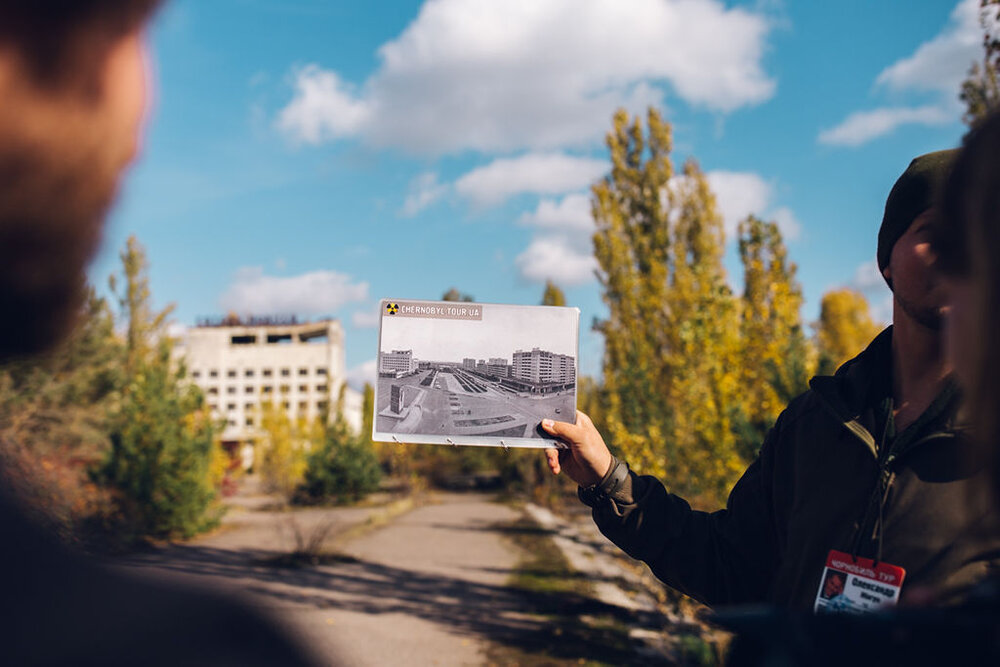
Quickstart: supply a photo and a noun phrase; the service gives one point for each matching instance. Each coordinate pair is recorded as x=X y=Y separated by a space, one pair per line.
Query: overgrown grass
x=578 y=629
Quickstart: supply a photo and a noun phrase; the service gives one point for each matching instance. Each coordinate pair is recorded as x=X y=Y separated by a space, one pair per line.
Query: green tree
x=343 y=469
x=776 y=357
x=981 y=88
x=845 y=328
x=553 y=296
x=159 y=466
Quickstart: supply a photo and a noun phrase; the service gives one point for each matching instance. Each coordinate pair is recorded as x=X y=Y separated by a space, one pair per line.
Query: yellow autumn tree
x=776 y=358
x=845 y=327
x=672 y=331
x=282 y=451
x=553 y=296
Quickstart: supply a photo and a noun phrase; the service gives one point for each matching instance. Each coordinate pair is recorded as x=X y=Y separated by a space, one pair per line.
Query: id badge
x=857 y=585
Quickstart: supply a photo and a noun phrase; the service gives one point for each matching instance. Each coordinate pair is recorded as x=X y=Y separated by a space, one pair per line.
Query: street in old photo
x=497 y=397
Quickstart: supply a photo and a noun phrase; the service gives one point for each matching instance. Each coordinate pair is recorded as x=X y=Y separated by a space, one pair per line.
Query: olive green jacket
x=823 y=481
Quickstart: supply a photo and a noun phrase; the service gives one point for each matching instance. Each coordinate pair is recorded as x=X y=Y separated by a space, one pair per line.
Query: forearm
x=714 y=557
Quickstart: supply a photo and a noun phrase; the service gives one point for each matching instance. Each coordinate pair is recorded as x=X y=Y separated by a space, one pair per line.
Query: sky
x=310 y=157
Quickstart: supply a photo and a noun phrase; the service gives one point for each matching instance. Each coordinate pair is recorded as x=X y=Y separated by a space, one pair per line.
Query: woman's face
x=962 y=324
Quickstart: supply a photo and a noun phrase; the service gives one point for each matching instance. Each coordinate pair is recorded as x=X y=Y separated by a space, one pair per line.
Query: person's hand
x=587 y=459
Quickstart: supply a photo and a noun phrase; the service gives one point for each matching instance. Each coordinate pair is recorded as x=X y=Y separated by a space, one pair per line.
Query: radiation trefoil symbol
x=391 y=308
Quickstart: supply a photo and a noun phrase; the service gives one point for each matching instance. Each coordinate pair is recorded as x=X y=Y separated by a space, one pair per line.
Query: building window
x=248 y=406
x=249 y=421
x=231 y=373
x=248 y=372
x=232 y=422
x=267 y=389
x=213 y=374
x=303 y=406
x=231 y=407
x=320 y=371
x=267 y=372
x=213 y=407
x=285 y=372
x=321 y=388
x=303 y=372
x=303 y=388
x=230 y=390
x=196 y=374
x=213 y=391
x=321 y=406
x=248 y=390
x=285 y=389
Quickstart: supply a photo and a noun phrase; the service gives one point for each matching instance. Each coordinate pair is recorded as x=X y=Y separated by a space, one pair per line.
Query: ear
x=887 y=275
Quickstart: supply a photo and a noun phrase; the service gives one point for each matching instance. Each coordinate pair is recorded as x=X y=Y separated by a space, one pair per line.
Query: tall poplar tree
x=672 y=334
x=776 y=358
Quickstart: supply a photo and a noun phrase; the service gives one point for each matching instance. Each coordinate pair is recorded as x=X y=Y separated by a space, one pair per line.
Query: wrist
x=613 y=480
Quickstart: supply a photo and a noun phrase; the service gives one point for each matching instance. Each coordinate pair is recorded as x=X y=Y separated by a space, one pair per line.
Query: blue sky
x=312 y=157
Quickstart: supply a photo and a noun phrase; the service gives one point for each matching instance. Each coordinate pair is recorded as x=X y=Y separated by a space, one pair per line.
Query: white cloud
x=314 y=293
x=522 y=74
x=789 y=225
x=365 y=319
x=742 y=193
x=535 y=173
x=424 y=191
x=941 y=63
x=558 y=258
x=863 y=126
x=571 y=213
x=362 y=374
x=937 y=66
x=323 y=108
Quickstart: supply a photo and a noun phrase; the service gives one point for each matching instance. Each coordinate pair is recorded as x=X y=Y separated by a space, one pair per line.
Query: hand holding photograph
x=474 y=373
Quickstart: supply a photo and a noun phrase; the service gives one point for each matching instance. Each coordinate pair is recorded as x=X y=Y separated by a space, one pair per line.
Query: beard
x=930 y=317
x=58 y=176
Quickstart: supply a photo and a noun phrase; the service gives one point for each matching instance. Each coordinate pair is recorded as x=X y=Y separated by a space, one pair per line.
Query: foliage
x=454 y=295
x=162 y=443
x=845 y=328
x=553 y=296
x=776 y=357
x=282 y=452
x=58 y=403
x=672 y=334
x=159 y=465
x=343 y=469
x=981 y=88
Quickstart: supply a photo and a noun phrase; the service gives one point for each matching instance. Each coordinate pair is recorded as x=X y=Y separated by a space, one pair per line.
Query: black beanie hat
x=914 y=192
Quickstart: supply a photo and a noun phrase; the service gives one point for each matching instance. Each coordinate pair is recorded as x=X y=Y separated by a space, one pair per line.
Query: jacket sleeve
x=718 y=558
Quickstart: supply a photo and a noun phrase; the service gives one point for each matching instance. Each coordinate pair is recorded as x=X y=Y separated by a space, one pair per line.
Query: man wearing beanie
x=865 y=480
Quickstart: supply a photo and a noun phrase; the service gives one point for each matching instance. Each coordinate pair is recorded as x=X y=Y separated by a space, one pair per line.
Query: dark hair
x=61 y=40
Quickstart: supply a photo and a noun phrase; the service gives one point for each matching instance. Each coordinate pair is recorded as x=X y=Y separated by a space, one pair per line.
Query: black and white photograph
x=474 y=374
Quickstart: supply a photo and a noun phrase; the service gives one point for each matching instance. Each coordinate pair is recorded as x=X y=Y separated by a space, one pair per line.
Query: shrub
x=343 y=469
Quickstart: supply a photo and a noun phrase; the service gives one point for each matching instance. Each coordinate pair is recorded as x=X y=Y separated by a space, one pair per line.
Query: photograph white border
x=544 y=442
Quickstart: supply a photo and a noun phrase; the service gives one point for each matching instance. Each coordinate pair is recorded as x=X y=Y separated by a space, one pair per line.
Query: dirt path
x=428 y=585
x=423 y=589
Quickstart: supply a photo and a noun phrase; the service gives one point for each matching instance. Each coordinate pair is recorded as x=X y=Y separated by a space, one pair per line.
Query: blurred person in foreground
x=966 y=241
x=73 y=77
x=865 y=474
